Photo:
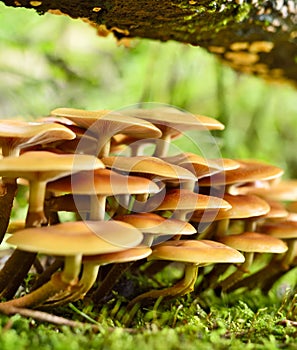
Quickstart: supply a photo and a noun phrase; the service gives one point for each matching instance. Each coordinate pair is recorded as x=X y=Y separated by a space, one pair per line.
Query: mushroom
x=248 y=171
x=249 y=243
x=98 y=185
x=38 y=168
x=71 y=240
x=248 y=207
x=105 y=124
x=193 y=253
x=172 y=121
x=183 y=203
x=155 y=226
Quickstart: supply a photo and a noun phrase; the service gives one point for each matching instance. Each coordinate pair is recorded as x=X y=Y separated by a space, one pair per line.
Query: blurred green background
x=53 y=61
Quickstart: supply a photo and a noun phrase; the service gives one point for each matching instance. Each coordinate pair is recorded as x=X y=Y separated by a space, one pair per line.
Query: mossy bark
x=254 y=36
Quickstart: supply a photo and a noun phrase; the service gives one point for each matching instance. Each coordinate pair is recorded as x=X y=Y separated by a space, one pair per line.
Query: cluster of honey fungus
x=135 y=204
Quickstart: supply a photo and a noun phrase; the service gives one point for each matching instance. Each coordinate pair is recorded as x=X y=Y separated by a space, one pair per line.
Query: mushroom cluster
x=132 y=200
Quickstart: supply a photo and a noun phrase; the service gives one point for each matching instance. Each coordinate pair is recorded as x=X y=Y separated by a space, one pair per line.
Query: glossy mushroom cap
x=156 y=224
x=188 y=200
x=254 y=242
x=103 y=181
x=148 y=165
x=249 y=171
x=243 y=206
x=42 y=165
x=199 y=252
x=122 y=256
x=71 y=238
x=20 y=134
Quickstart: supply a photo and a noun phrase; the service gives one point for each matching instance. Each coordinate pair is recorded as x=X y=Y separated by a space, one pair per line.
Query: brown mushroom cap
x=282 y=229
x=254 y=242
x=109 y=120
x=196 y=251
x=156 y=224
x=103 y=181
x=187 y=200
x=20 y=134
x=71 y=238
x=243 y=206
x=249 y=171
x=165 y=117
x=148 y=165
x=42 y=165
x=122 y=256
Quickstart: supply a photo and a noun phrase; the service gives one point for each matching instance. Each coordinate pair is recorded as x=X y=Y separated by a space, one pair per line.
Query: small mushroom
x=249 y=243
x=193 y=253
x=155 y=226
x=71 y=240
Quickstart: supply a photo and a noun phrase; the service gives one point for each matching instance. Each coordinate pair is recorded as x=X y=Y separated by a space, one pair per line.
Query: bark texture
x=253 y=36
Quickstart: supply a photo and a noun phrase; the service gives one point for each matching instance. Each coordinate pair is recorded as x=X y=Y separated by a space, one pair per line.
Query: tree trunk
x=253 y=36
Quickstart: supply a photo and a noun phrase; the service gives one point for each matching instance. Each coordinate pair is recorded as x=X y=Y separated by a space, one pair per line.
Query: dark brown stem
x=110 y=280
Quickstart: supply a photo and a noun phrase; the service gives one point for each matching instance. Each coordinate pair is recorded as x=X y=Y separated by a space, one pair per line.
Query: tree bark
x=253 y=36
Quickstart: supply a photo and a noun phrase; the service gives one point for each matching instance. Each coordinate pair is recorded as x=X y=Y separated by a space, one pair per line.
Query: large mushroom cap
x=148 y=165
x=71 y=238
x=196 y=251
x=42 y=165
x=176 y=119
x=103 y=181
x=254 y=242
x=109 y=120
x=156 y=224
x=248 y=171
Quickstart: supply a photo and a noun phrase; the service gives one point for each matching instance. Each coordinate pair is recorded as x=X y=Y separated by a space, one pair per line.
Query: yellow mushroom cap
x=122 y=256
x=249 y=171
x=156 y=224
x=148 y=165
x=21 y=134
x=104 y=182
x=254 y=242
x=71 y=238
x=42 y=165
x=282 y=229
x=200 y=252
x=182 y=199
x=243 y=206
x=109 y=121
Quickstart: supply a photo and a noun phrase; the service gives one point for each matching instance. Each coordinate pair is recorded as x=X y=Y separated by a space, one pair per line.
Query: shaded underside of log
x=253 y=36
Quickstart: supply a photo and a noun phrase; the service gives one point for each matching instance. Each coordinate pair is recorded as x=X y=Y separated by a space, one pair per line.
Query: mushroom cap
x=122 y=256
x=45 y=166
x=148 y=165
x=280 y=229
x=80 y=237
x=104 y=182
x=182 y=199
x=248 y=171
x=156 y=224
x=165 y=117
x=243 y=206
x=284 y=190
x=101 y=120
x=277 y=211
x=254 y=242
x=23 y=134
x=201 y=166
x=200 y=252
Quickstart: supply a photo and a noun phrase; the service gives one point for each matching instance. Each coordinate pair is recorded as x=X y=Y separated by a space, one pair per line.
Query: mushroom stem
x=228 y=282
x=222 y=227
x=105 y=150
x=289 y=255
x=35 y=216
x=162 y=145
x=97 y=209
x=184 y=286
x=72 y=267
